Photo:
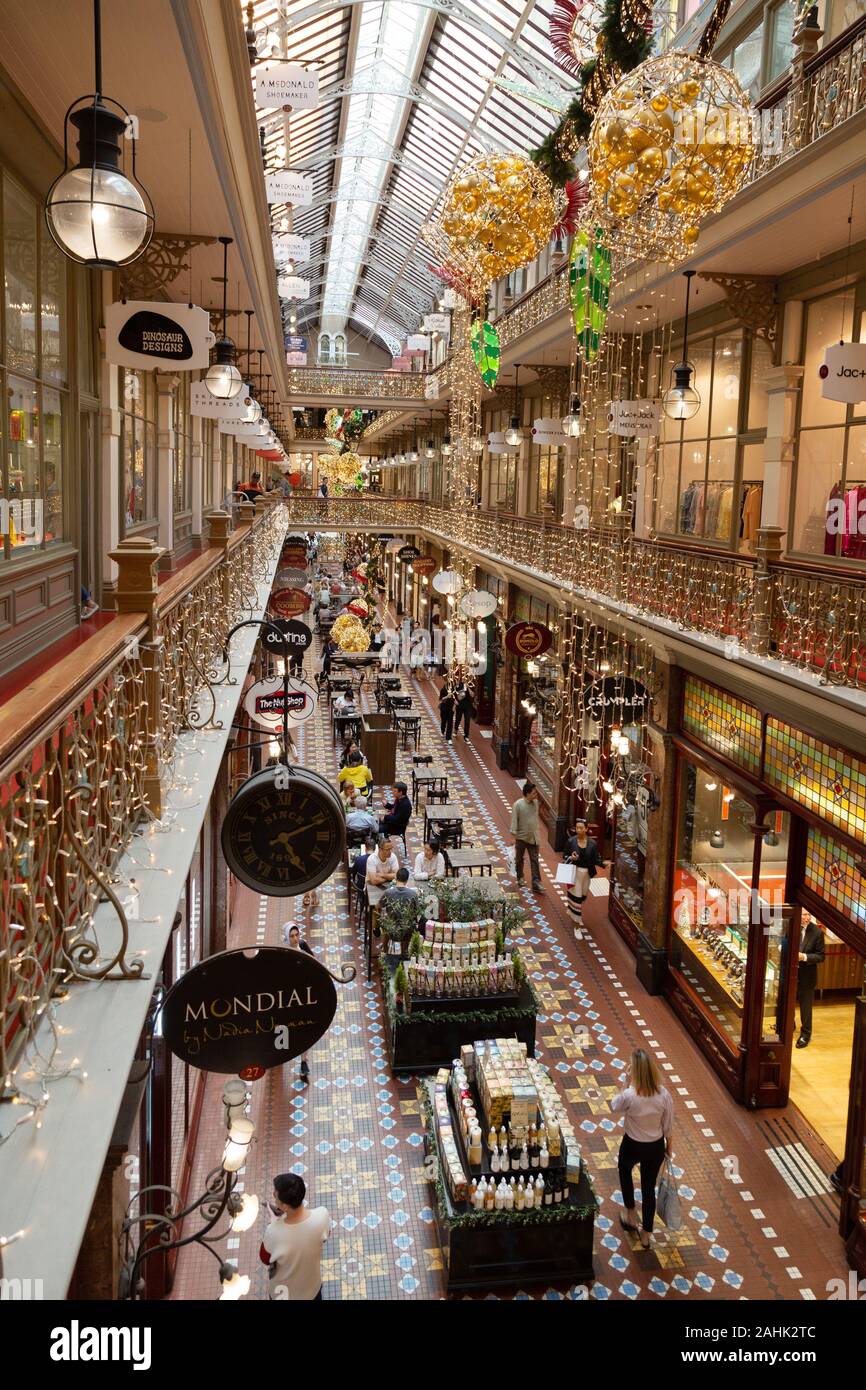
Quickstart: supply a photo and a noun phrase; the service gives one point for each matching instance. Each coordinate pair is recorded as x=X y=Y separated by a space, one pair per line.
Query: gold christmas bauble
x=498 y=212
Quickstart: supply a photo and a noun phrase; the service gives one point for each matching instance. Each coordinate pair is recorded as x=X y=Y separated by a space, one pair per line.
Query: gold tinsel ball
x=353 y=639
x=342 y=624
x=499 y=211
x=670 y=143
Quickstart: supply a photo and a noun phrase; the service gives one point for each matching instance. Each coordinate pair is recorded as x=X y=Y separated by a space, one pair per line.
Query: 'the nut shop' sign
x=248 y=1009
x=528 y=639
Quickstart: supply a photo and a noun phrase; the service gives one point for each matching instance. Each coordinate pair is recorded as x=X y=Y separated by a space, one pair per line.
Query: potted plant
x=401 y=991
x=397 y=921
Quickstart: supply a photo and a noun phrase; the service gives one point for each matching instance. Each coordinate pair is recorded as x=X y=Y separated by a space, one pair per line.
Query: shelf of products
x=711 y=956
x=514 y=1199
x=540 y=771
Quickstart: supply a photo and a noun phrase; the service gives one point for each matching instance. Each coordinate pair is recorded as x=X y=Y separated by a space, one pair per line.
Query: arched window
x=340 y=350
x=324 y=349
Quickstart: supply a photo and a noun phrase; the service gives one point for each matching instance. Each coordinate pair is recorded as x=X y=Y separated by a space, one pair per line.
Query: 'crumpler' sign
x=237 y=1010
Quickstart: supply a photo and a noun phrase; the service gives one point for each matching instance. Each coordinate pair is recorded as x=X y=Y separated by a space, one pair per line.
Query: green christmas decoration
x=484 y=341
x=589 y=275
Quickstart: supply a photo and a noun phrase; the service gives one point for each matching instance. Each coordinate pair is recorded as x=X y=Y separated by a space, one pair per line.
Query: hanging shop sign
x=418 y=342
x=296 y=342
x=142 y=334
x=635 y=419
x=431 y=388
x=436 y=323
x=286 y=186
x=202 y=402
x=241 y=429
x=615 y=699
x=843 y=373
x=292 y=248
x=294 y=553
x=447 y=582
x=407 y=553
x=296 y=359
x=284 y=832
x=478 y=603
x=288 y=84
x=271 y=703
x=293 y=287
x=243 y=1012
x=528 y=639
x=424 y=564
x=496 y=444
x=288 y=603
x=547 y=432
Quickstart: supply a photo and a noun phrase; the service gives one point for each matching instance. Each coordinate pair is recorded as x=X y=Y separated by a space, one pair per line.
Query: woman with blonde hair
x=648 y=1114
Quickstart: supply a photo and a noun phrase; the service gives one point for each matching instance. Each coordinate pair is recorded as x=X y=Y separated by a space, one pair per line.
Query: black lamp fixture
x=223 y=379
x=572 y=423
x=253 y=411
x=681 y=401
x=513 y=434
x=97 y=216
x=446 y=445
x=430 y=451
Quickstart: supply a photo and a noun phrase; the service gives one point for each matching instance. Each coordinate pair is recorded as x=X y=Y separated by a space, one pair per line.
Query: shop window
x=183 y=448
x=631 y=831
x=208 y=446
x=19 y=268
x=53 y=317
x=830 y=498
x=746 y=60
x=781 y=49
x=138 y=446
x=723 y=723
x=23 y=476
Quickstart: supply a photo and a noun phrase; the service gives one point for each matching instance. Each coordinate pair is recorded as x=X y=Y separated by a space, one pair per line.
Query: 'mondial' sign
x=286 y=186
x=139 y=333
x=288 y=84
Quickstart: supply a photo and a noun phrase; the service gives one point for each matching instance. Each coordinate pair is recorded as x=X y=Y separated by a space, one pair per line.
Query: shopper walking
x=583 y=853
x=810 y=957
x=465 y=710
x=292 y=937
x=524 y=828
x=648 y=1115
x=446 y=712
x=292 y=1245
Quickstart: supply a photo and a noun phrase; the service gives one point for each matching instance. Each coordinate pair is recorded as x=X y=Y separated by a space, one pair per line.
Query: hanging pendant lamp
x=96 y=215
x=222 y=378
x=513 y=434
x=681 y=401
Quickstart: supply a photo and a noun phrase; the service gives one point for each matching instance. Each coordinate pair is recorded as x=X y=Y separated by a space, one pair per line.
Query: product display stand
x=431 y=1033
x=483 y=1250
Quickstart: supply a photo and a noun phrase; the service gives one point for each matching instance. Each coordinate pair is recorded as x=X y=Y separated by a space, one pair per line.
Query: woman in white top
x=429 y=863
x=648 y=1113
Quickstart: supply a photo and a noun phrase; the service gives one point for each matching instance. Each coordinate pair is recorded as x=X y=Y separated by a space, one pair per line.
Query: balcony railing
x=810 y=621
x=346 y=384
x=84 y=754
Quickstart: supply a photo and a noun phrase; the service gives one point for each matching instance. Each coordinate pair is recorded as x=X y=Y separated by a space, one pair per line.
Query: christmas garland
x=621 y=47
x=484 y=1018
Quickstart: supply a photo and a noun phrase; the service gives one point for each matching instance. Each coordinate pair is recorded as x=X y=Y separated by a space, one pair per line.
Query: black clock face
x=284 y=833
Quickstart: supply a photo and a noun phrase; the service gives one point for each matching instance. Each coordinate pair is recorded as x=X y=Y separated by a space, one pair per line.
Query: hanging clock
x=284 y=832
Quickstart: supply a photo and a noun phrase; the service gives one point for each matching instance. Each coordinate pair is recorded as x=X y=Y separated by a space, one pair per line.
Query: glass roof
x=406 y=96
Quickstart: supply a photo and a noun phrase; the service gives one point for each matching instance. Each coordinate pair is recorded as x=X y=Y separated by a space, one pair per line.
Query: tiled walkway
x=761 y=1218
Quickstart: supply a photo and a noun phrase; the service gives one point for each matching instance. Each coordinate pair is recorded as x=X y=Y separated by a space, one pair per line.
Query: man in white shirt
x=292 y=1245
x=381 y=870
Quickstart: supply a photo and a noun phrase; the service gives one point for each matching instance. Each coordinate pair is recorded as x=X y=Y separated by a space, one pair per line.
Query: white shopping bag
x=566 y=873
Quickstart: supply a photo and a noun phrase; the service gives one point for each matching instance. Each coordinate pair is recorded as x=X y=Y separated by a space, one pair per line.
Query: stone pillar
x=219 y=525
x=165 y=451
x=110 y=462
x=197 y=480
x=136 y=592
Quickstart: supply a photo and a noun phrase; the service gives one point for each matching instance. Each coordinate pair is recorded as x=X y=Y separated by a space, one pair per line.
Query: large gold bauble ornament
x=499 y=211
x=342 y=624
x=345 y=467
x=670 y=143
x=353 y=639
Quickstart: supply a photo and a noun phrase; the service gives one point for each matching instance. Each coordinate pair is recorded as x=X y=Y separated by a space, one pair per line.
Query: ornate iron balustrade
x=346 y=384
x=813 y=622
x=79 y=772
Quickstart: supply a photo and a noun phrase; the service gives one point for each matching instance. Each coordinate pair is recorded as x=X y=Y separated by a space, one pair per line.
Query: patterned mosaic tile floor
x=761 y=1219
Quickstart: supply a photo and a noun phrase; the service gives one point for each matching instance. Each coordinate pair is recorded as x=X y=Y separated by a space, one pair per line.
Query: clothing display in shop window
x=750 y=512
x=853 y=543
x=705 y=509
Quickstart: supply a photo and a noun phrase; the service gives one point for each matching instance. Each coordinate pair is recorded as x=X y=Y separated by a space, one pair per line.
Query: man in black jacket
x=394 y=822
x=811 y=956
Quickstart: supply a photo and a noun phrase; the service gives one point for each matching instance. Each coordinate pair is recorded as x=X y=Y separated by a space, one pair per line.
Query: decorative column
x=165 y=452
x=110 y=466
x=661 y=840
x=197 y=479
x=136 y=592
x=782 y=385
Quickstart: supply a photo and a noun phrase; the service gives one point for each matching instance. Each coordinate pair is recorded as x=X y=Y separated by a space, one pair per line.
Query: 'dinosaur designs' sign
x=248 y=1009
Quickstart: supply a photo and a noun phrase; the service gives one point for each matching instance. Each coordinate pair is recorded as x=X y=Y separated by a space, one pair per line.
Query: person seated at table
x=395 y=820
x=429 y=862
x=351 y=746
x=381 y=871
x=356 y=772
x=358 y=868
x=359 y=818
x=398 y=892
x=348 y=792
x=345 y=703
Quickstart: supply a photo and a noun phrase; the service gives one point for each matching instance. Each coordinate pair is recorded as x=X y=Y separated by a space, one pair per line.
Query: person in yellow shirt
x=357 y=773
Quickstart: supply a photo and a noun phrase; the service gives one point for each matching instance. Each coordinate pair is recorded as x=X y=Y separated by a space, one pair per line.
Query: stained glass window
x=722 y=722
x=825 y=780
x=832 y=873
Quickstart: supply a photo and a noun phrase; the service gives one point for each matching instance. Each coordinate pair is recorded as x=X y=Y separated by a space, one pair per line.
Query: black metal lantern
x=97 y=216
x=222 y=378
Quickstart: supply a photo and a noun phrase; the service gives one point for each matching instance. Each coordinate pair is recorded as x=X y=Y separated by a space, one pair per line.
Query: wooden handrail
x=28 y=716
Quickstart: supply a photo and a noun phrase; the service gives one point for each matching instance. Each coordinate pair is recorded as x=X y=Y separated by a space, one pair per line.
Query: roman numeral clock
x=284 y=832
